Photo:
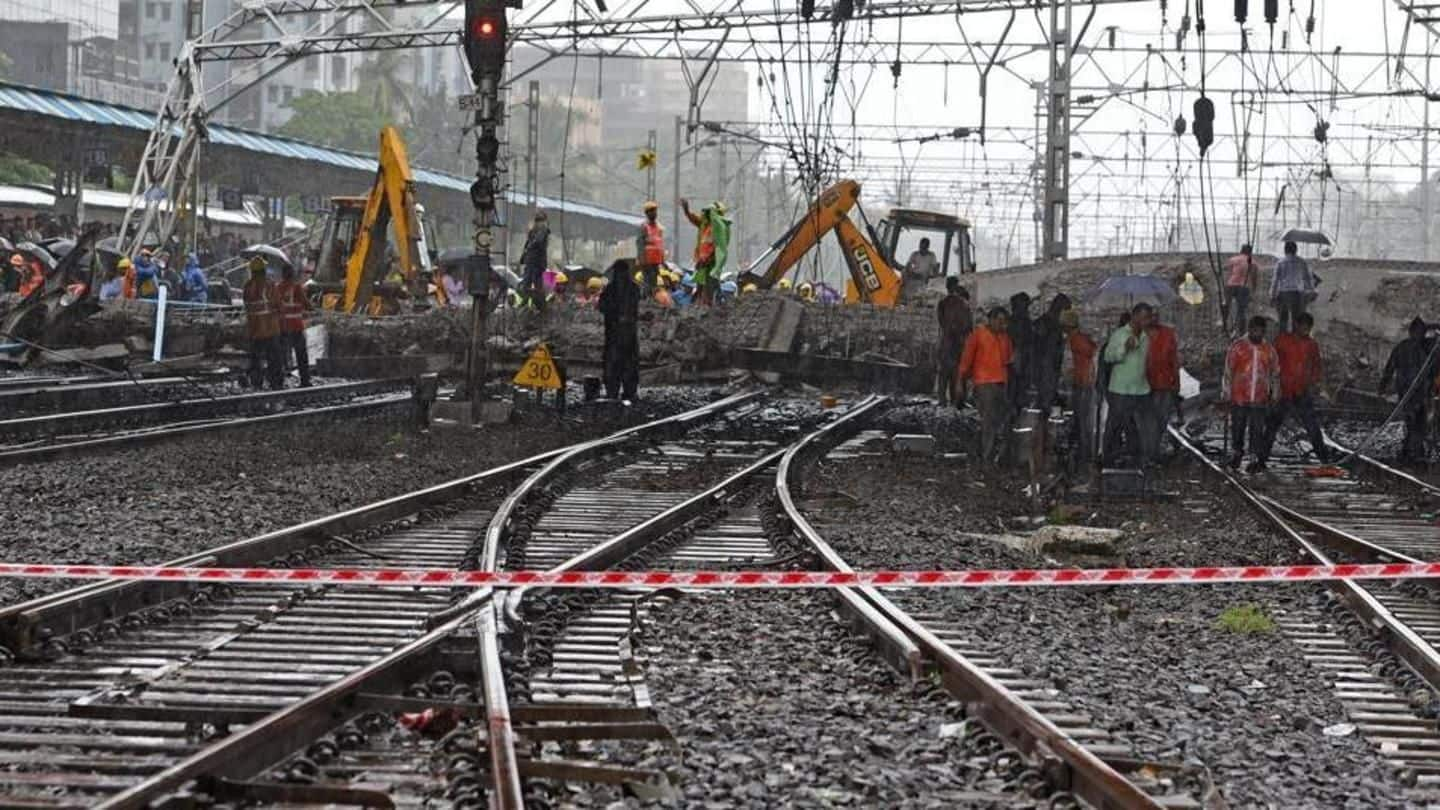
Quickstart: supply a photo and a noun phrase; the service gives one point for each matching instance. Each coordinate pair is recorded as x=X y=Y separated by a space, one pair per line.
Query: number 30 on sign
x=539 y=370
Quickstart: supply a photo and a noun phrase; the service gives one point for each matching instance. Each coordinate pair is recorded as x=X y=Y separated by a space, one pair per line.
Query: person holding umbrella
x=1128 y=389
x=1292 y=287
x=262 y=326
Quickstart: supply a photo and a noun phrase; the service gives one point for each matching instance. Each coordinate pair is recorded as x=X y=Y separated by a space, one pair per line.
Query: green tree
x=342 y=120
x=17 y=171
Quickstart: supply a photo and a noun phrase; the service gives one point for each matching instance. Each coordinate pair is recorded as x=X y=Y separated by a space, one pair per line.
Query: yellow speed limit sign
x=539 y=370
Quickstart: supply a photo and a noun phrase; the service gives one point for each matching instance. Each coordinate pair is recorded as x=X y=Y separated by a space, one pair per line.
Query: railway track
x=136 y=694
x=121 y=694
x=1380 y=641
x=55 y=435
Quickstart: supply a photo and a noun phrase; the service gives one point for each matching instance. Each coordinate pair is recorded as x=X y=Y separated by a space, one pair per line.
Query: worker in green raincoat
x=711 y=248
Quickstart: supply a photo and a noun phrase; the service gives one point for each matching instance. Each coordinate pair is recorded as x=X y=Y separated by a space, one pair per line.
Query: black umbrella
x=110 y=245
x=1302 y=236
x=269 y=253
x=38 y=253
x=58 y=246
x=1117 y=290
x=6 y=245
x=452 y=257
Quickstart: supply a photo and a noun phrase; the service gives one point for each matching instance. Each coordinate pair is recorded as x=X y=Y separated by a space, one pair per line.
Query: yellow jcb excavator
x=351 y=264
x=875 y=276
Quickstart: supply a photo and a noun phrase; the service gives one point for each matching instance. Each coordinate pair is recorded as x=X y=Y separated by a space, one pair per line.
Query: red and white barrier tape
x=974 y=578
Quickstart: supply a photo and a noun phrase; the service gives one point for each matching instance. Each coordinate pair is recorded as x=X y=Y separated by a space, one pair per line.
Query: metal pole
x=675 y=210
x=1056 y=216
x=650 y=144
x=1427 y=202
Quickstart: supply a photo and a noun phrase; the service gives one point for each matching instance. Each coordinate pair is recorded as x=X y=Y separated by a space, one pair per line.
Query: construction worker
x=293 y=304
x=986 y=362
x=650 y=244
x=712 y=245
x=1412 y=365
x=1082 y=383
x=1162 y=371
x=1292 y=287
x=919 y=268
x=956 y=321
x=1128 y=390
x=1022 y=334
x=1252 y=381
x=620 y=306
x=1048 y=349
x=262 y=326
x=196 y=288
x=1301 y=375
x=114 y=285
x=806 y=292
x=147 y=283
x=593 y=287
x=561 y=288
x=534 y=257
x=1242 y=281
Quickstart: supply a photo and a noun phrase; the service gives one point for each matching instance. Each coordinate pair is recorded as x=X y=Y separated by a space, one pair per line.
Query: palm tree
x=380 y=82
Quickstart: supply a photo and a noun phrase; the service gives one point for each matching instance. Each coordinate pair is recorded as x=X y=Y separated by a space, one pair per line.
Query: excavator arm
x=872 y=279
x=391 y=200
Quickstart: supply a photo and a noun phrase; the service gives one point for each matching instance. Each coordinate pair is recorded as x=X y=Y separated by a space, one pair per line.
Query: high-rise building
x=74 y=46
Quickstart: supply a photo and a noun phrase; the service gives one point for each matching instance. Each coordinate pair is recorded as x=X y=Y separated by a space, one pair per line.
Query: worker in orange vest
x=293 y=304
x=650 y=245
x=1252 y=384
x=987 y=362
x=262 y=326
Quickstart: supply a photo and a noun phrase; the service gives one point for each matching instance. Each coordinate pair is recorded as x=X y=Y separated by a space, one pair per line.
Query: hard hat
x=651 y=205
x=256 y=264
x=728 y=288
x=1069 y=318
x=748 y=288
x=561 y=278
x=785 y=284
x=639 y=277
x=595 y=283
x=123 y=264
x=718 y=207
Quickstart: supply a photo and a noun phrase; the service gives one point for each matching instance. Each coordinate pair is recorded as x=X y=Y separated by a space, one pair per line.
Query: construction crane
x=356 y=236
x=874 y=275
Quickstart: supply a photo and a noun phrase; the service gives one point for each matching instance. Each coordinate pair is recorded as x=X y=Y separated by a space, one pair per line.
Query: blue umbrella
x=1130 y=290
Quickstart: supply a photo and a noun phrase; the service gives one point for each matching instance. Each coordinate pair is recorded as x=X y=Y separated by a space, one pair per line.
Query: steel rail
x=507 y=792
x=176 y=409
x=76 y=608
x=998 y=708
x=143 y=436
x=249 y=752
x=1403 y=641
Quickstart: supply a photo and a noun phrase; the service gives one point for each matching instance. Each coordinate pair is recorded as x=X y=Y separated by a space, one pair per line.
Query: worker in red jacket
x=986 y=361
x=262 y=326
x=1162 y=371
x=293 y=304
x=1301 y=377
x=1252 y=383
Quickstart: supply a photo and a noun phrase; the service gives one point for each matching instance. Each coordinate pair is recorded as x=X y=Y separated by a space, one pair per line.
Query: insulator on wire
x=1322 y=131
x=1272 y=11
x=807 y=9
x=1204 y=126
x=1242 y=10
x=1180 y=125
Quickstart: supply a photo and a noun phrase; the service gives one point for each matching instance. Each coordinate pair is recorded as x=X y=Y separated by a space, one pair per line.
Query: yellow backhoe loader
x=354 y=245
x=875 y=275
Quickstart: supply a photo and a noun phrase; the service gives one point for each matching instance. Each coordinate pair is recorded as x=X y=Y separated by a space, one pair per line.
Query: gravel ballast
x=1151 y=665
x=158 y=502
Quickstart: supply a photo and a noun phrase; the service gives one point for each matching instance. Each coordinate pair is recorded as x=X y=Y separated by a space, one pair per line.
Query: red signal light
x=487 y=28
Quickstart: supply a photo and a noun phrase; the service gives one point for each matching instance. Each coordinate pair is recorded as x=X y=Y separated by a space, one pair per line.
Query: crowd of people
x=1012 y=361
x=150 y=270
